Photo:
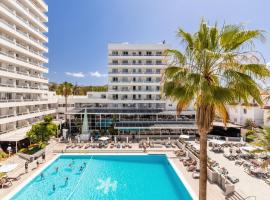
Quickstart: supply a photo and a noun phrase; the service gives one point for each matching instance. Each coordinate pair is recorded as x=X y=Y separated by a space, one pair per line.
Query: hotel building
x=133 y=103
x=24 y=95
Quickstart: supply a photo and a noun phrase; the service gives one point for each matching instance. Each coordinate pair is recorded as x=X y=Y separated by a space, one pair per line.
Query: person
x=73 y=161
x=81 y=168
x=43 y=157
x=56 y=169
x=26 y=166
x=69 y=165
x=66 y=181
x=84 y=164
x=37 y=163
x=53 y=187
x=42 y=176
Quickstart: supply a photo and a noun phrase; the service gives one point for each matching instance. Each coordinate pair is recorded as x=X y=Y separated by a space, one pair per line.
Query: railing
x=24 y=34
x=137 y=63
x=27 y=10
x=22 y=59
x=22 y=46
x=22 y=73
x=23 y=20
x=135 y=55
x=132 y=73
x=22 y=86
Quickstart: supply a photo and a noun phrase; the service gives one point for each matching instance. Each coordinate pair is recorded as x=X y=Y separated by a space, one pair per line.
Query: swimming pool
x=107 y=177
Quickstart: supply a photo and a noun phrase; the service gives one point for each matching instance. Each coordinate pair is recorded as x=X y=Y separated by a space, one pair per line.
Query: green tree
x=265 y=143
x=43 y=131
x=217 y=66
x=65 y=89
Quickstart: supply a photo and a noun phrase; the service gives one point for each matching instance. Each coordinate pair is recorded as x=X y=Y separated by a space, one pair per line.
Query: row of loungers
x=98 y=145
x=189 y=163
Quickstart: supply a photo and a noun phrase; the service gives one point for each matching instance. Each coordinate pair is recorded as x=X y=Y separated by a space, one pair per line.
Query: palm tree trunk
x=66 y=110
x=203 y=165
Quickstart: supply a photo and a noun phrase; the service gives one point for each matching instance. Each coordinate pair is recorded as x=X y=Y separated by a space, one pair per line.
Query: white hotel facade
x=133 y=100
x=24 y=95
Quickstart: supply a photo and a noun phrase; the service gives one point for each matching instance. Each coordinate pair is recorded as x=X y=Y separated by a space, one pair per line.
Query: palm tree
x=216 y=67
x=65 y=89
x=265 y=144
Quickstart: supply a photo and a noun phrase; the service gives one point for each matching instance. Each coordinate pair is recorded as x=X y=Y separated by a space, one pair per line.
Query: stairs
x=237 y=196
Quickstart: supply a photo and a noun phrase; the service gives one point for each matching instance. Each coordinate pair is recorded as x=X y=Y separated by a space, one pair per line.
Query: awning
x=184 y=136
x=228 y=125
x=220 y=142
x=15 y=136
x=103 y=138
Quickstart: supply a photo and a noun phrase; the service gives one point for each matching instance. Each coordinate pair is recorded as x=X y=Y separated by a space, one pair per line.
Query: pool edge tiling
x=110 y=176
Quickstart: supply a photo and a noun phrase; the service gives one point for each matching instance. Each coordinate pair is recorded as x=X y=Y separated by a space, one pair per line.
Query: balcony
x=134 y=73
x=23 y=60
x=22 y=47
x=130 y=64
x=31 y=16
x=25 y=22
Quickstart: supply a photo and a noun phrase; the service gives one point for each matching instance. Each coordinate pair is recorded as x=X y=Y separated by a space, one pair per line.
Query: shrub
x=3 y=155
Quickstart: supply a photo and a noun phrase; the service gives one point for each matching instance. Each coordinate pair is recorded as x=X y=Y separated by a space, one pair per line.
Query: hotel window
x=148 y=79
x=139 y=62
x=115 y=70
x=134 y=62
x=140 y=53
x=134 y=70
x=115 y=61
x=124 y=62
x=149 y=62
x=158 y=79
x=115 y=53
x=158 y=71
x=158 y=53
x=125 y=70
x=148 y=53
x=125 y=53
x=157 y=88
x=115 y=79
x=148 y=70
x=158 y=62
x=140 y=70
x=134 y=53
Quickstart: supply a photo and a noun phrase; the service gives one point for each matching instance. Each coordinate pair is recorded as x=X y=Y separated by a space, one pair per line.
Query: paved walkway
x=247 y=185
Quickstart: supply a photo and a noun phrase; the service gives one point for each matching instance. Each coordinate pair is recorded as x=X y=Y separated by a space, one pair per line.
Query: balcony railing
x=23 y=20
x=136 y=55
x=27 y=10
x=22 y=59
x=23 y=33
x=22 y=46
x=137 y=64
x=22 y=86
x=131 y=73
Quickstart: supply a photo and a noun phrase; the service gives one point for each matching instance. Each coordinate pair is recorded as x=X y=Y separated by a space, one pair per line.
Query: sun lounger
x=5 y=182
x=191 y=168
x=233 y=179
x=196 y=175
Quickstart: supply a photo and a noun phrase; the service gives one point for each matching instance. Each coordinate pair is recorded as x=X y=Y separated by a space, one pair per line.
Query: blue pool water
x=107 y=177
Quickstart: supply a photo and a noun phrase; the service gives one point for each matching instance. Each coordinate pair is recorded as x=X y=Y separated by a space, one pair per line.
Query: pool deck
x=214 y=193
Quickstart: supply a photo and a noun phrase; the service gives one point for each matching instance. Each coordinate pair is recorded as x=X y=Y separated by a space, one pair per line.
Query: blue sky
x=79 y=30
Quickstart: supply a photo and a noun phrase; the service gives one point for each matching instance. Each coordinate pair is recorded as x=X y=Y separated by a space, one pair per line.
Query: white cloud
x=75 y=74
x=97 y=74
